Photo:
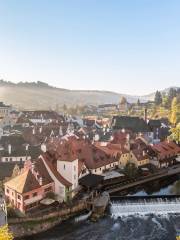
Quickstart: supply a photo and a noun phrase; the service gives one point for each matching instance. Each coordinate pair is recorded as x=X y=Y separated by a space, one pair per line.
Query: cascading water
x=82 y=217
x=157 y=206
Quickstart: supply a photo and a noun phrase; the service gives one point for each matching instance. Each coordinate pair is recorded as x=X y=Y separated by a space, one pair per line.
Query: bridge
x=162 y=174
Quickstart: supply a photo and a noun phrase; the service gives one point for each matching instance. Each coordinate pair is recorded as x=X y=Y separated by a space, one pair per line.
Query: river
x=135 y=227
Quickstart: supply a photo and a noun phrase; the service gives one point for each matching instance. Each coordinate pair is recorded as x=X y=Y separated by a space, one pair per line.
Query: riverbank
x=163 y=227
x=28 y=226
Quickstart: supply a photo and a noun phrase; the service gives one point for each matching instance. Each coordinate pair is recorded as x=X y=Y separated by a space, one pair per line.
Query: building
x=13 y=148
x=26 y=190
x=4 y=109
x=105 y=108
x=136 y=125
x=139 y=157
x=165 y=153
x=43 y=117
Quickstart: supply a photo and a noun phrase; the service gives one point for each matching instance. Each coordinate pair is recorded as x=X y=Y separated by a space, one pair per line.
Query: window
x=6 y=159
x=74 y=168
x=7 y=190
x=35 y=194
x=19 y=197
x=64 y=166
x=12 y=193
x=74 y=177
x=10 y=159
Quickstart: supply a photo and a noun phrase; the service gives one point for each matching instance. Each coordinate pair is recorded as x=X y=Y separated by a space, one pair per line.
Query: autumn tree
x=175 y=133
x=175 y=111
x=5 y=234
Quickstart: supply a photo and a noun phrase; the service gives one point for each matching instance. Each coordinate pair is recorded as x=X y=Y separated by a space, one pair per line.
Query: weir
x=157 y=206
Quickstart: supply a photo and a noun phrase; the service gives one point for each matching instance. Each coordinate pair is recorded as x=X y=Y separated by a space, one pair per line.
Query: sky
x=127 y=46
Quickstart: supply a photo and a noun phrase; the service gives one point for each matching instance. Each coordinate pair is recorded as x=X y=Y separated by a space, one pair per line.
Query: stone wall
x=27 y=226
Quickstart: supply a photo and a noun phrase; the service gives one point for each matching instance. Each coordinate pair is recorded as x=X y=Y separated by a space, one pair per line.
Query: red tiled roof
x=166 y=149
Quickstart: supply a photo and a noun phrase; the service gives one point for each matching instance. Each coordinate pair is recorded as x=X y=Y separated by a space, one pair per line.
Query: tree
x=138 y=102
x=175 y=111
x=172 y=93
x=130 y=170
x=165 y=101
x=5 y=234
x=158 y=98
x=65 y=108
x=175 y=133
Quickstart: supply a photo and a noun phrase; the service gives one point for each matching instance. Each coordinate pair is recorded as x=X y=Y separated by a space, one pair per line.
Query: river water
x=135 y=227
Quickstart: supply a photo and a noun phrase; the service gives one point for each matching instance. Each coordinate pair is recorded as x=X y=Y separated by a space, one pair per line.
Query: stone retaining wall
x=27 y=226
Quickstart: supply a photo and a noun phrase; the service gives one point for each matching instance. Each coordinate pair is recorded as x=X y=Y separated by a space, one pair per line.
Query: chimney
x=27 y=147
x=9 y=149
x=40 y=129
x=32 y=167
x=145 y=115
x=40 y=181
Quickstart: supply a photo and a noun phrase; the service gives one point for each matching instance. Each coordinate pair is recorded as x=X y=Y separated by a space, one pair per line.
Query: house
x=26 y=190
x=104 y=108
x=139 y=157
x=43 y=116
x=13 y=148
x=165 y=153
x=4 y=109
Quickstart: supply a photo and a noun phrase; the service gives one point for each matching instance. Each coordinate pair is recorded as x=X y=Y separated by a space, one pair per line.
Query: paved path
x=169 y=172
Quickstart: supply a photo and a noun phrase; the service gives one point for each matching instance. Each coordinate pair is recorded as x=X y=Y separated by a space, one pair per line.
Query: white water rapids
x=143 y=207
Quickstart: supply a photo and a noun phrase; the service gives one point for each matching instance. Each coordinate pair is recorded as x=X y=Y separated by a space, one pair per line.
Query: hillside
x=42 y=96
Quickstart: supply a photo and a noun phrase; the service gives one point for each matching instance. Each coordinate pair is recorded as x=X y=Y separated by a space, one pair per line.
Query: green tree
x=165 y=101
x=130 y=170
x=172 y=93
x=138 y=102
x=158 y=98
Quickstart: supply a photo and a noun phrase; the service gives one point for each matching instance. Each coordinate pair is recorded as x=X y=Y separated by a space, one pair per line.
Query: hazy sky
x=128 y=46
